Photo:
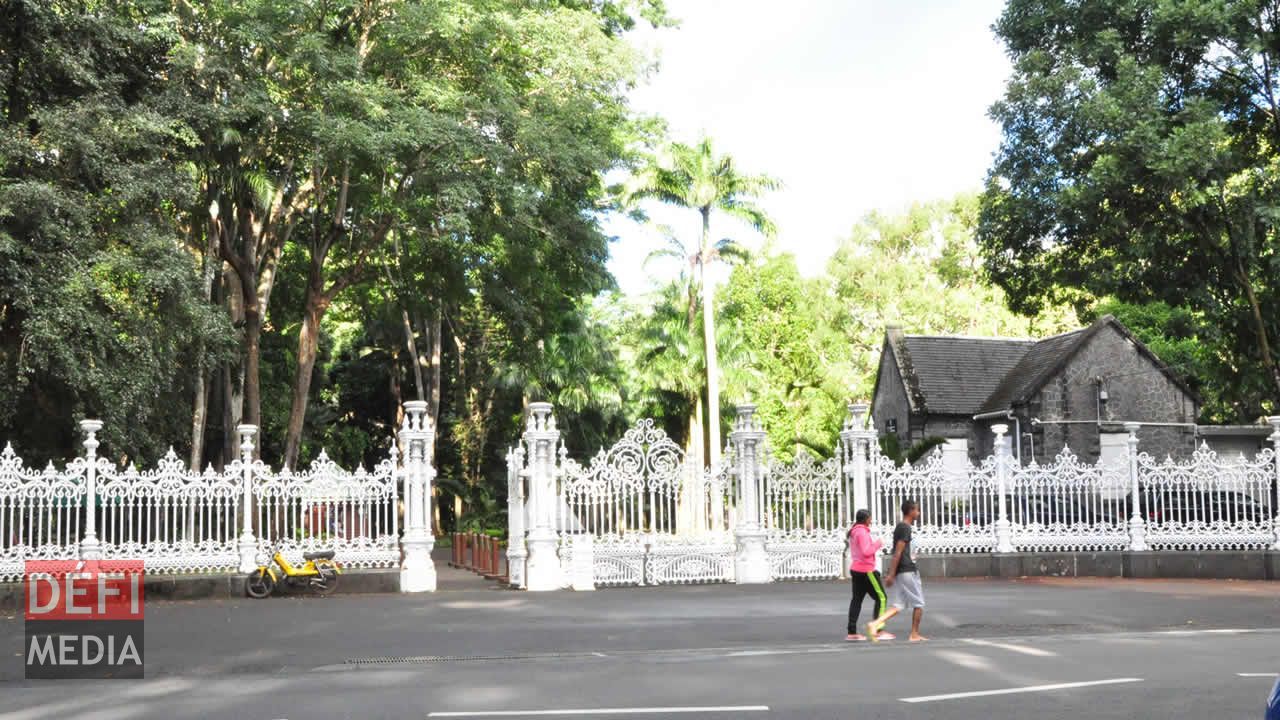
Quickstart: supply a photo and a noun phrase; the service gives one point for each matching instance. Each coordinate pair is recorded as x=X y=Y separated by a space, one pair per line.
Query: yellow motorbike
x=319 y=573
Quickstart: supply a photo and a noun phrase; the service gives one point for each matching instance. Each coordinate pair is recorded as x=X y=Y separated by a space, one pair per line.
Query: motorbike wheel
x=327 y=582
x=259 y=584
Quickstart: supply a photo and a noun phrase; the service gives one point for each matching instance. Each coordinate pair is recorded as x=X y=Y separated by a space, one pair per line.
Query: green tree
x=1141 y=159
x=697 y=178
x=1191 y=346
x=666 y=348
x=800 y=400
x=921 y=270
x=101 y=313
x=892 y=448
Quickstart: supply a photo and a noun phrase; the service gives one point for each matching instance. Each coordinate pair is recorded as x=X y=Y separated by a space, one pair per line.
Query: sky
x=855 y=105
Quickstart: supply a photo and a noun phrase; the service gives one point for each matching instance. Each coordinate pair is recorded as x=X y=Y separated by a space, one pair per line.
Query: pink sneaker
x=886 y=636
x=855 y=637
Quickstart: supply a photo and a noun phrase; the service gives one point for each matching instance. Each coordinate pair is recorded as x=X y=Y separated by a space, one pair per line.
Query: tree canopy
x=1140 y=160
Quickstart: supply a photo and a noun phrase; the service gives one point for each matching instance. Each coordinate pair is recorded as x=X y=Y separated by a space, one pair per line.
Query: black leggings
x=865 y=584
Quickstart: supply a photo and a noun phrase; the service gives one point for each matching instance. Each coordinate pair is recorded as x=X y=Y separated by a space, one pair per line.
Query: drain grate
x=427 y=659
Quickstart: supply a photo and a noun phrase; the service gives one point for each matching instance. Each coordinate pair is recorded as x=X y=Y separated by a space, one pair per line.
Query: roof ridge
x=970 y=337
x=1069 y=332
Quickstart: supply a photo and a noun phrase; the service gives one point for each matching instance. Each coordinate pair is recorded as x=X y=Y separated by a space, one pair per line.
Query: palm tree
x=668 y=353
x=696 y=178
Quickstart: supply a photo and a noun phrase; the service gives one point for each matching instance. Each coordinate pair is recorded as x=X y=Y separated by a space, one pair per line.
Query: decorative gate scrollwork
x=655 y=517
x=806 y=516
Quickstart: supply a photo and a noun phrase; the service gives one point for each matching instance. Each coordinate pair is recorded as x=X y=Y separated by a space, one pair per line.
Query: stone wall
x=1137 y=391
x=890 y=401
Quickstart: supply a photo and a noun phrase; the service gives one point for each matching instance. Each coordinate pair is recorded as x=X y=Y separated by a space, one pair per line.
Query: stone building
x=1072 y=390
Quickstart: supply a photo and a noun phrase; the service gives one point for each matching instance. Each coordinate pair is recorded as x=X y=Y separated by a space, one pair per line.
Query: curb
x=224 y=586
x=1204 y=565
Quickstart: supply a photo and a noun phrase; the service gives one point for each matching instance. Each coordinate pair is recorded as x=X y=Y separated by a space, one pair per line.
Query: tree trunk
x=437 y=359
x=397 y=402
x=1259 y=323
x=696 y=440
x=245 y=267
x=412 y=345
x=317 y=302
x=200 y=414
x=460 y=352
x=433 y=410
x=709 y=338
x=252 y=391
x=230 y=418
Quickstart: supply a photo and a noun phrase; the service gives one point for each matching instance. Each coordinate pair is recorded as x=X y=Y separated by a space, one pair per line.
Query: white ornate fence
x=639 y=513
x=179 y=520
x=653 y=517
x=1210 y=502
x=1204 y=503
x=955 y=510
x=806 y=515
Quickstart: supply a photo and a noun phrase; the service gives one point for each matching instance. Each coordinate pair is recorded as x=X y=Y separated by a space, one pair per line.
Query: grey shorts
x=906 y=591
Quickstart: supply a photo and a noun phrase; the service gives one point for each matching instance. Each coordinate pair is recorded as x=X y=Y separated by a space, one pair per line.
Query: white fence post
x=543 y=570
x=516 y=551
x=1275 y=499
x=1004 y=528
x=248 y=546
x=752 y=561
x=418 y=573
x=90 y=546
x=856 y=440
x=1137 y=525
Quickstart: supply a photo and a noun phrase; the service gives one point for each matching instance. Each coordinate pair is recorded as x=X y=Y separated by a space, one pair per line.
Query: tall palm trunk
x=694 y=451
x=709 y=338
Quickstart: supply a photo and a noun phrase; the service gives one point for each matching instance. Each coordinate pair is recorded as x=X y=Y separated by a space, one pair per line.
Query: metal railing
x=176 y=519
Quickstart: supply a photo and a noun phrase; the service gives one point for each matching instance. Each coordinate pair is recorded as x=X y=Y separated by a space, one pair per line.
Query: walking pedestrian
x=862 y=571
x=903 y=579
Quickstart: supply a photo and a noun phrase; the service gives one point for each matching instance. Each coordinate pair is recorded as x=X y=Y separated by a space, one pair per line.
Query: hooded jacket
x=863 y=549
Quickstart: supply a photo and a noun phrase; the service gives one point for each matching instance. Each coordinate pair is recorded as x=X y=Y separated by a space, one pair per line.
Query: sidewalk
x=355 y=581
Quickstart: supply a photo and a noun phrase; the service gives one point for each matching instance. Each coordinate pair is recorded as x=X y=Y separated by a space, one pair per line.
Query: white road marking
x=966 y=660
x=1267 y=675
x=1043 y=613
x=755 y=653
x=1025 y=650
x=1233 y=631
x=943 y=619
x=604 y=711
x=1014 y=691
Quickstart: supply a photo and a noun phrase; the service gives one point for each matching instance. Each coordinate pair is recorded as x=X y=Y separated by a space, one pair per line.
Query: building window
x=891 y=425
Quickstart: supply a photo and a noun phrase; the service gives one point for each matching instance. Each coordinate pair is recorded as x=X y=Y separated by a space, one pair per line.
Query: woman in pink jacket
x=862 y=569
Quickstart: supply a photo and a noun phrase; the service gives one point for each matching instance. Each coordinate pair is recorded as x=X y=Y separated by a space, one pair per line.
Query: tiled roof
x=1040 y=360
x=947 y=375
x=956 y=375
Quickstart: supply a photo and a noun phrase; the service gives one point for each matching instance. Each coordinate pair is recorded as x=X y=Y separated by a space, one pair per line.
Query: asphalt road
x=1106 y=649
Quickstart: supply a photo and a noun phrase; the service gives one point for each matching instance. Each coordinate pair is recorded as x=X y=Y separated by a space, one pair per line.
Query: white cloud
x=854 y=105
